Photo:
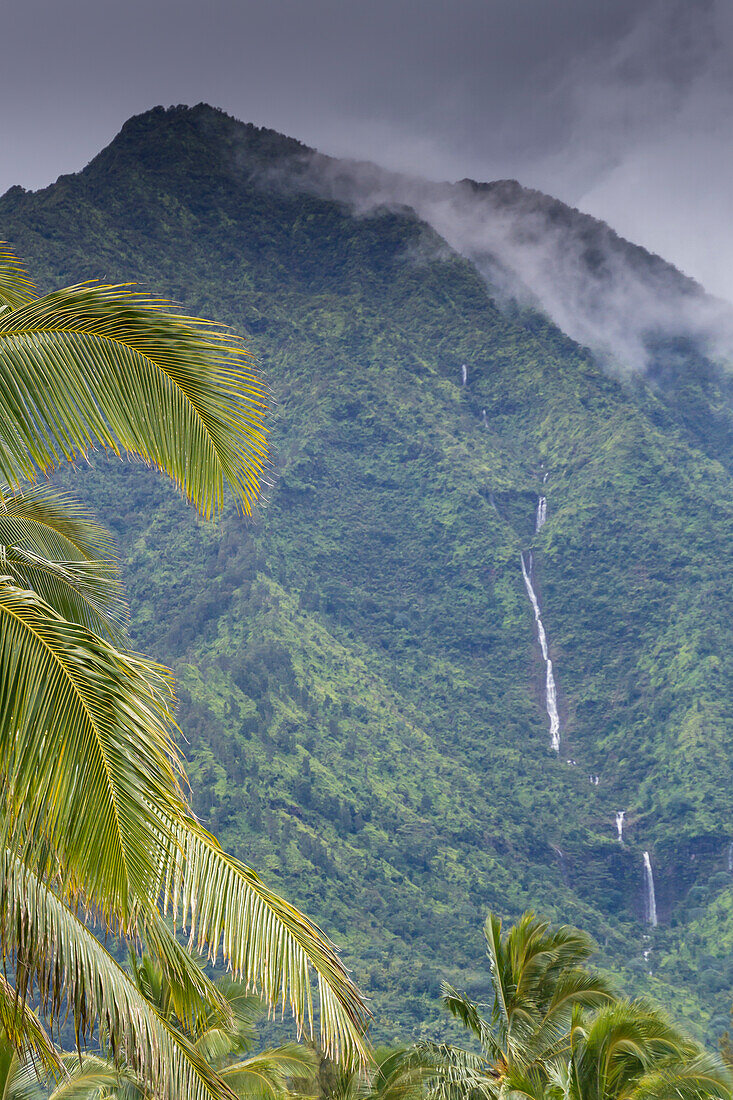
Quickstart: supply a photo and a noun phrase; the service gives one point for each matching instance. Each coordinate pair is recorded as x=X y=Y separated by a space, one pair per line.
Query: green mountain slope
x=361 y=685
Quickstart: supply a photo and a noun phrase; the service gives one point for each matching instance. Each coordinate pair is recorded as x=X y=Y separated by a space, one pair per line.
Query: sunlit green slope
x=361 y=687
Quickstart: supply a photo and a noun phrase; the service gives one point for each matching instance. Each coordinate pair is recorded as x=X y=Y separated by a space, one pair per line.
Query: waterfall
x=563 y=864
x=550 y=690
x=650 y=905
x=464 y=374
x=620 y=825
x=730 y=856
x=541 y=515
x=483 y=417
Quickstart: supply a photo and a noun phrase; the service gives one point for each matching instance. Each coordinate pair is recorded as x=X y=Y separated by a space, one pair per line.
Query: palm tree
x=629 y=1050
x=95 y=821
x=391 y=1074
x=539 y=976
x=225 y=1046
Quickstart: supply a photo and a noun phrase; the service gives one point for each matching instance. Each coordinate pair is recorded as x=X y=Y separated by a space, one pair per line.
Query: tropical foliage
x=224 y=1045
x=630 y=1049
x=554 y=1031
x=539 y=978
x=358 y=676
x=95 y=819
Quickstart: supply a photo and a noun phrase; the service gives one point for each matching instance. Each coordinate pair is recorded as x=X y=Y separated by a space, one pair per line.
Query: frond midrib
x=85 y=708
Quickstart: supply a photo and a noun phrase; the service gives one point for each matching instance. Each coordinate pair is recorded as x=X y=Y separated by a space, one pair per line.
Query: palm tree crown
x=539 y=975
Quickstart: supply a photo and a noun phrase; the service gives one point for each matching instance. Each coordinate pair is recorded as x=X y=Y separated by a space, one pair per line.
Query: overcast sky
x=621 y=107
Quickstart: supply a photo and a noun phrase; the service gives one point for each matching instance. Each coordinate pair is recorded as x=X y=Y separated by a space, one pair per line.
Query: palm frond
x=400 y=1074
x=105 y=365
x=703 y=1077
x=455 y=1074
x=51 y=524
x=15 y=286
x=266 y=941
x=19 y=1080
x=468 y=1013
x=86 y=593
x=23 y=1030
x=85 y=1077
x=69 y=966
x=265 y=1076
x=174 y=982
x=573 y=990
x=52 y=546
x=578 y=987
x=220 y=1039
x=500 y=974
x=88 y=764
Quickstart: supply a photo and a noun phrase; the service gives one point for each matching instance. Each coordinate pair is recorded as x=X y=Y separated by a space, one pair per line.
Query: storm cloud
x=623 y=108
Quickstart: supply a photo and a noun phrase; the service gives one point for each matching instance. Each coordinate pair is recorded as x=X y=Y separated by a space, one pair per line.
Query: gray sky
x=621 y=107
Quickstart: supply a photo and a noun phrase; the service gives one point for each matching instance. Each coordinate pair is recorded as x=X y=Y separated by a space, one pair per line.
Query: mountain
x=361 y=686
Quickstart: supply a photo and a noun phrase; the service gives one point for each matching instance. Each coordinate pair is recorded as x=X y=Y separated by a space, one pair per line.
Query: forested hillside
x=361 y=687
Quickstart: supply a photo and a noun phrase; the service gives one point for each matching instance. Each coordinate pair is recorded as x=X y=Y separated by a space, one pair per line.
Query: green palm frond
x=69 y=966
x=539 y=977
x=80 y=592
x=468 y=1013
x=218 y=1040
x=105 y=365
x=88 y=762
x=577 y=987
x=631 y=1049
x=175 y=984
x=536 y=1085
x=22 y=1029
x=19 y=1079
x=266 y=942
x=52 y=546
x=265 y=1076
x=51 y=524
x=500 y=972
x=400 y=1074
x=702 y=1077
x=455 y=1074
x=15 y=286
x=86 y=1077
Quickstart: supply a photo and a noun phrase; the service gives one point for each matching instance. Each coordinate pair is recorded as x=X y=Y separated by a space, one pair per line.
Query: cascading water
x=650 y=898
x=484 y=418
x=550 y=689
x=730 y=857
x=541 y=515
x=620 y=825
x=464 y=374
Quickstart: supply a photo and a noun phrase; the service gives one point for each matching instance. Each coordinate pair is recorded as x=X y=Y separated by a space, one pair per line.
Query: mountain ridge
x=362 y=687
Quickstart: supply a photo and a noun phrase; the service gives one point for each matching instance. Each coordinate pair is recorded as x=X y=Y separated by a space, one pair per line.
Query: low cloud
x=533 y=251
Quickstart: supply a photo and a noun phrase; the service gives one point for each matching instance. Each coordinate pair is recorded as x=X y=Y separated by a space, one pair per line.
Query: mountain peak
x=194 y=139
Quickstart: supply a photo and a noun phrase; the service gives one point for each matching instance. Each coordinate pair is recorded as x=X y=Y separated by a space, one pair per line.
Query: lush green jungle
x=361 y=689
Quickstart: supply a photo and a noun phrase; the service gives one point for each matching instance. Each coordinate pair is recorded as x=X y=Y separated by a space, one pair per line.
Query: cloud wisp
x=534 y=251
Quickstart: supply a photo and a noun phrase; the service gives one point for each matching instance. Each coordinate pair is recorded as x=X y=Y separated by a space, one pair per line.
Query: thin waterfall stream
x=650 y=899
x=550 y=689
x=620 y=825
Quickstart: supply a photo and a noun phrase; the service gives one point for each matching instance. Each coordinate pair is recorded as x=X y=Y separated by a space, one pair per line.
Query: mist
x=535 y=252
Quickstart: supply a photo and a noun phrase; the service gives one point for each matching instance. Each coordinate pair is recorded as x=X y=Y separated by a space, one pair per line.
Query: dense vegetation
x=362 y=694
x=552 y=1028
